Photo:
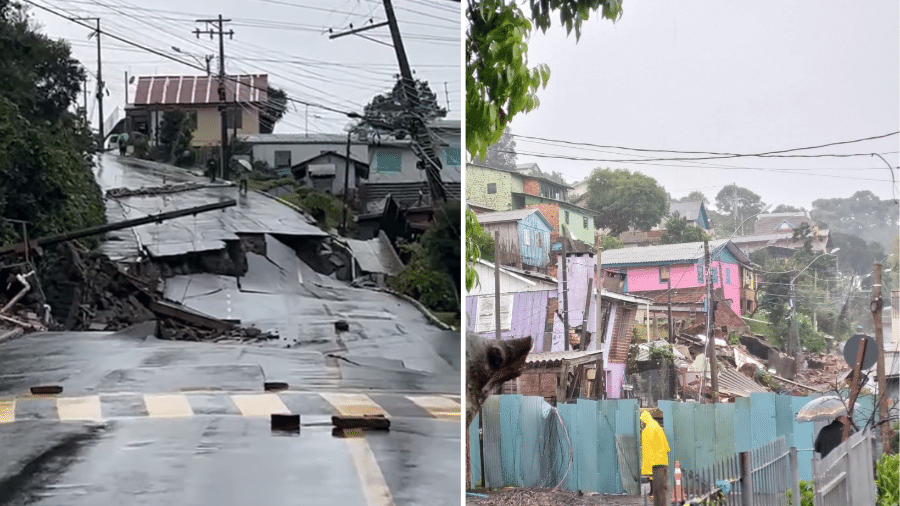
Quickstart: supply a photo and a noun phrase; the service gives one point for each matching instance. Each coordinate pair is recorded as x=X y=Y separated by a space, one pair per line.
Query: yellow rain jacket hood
x=654 y=447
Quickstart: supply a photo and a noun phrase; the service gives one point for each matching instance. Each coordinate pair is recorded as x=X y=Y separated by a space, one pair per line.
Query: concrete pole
x=660 y=485
x=565 y=298
x=876 y=306
x=747 y=479
x=597 y=240
x=795 y=475
x=497 y=284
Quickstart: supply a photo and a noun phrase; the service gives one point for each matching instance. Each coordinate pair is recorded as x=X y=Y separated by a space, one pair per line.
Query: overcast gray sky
x=737 y=77
x=286 y=39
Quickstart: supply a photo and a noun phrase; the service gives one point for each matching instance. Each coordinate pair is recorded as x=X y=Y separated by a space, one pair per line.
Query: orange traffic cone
x=679 y=493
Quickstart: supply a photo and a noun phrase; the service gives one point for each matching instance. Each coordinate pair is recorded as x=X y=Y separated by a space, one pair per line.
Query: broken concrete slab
x=376 y=256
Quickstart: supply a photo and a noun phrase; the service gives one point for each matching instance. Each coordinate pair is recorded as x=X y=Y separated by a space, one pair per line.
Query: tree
x=679 y=230
x=45 y=167
x=695 y=196
x=610 y=242
x=175 y=134
x=863 y=215
x=502 y=154
x=738 y=204
x=784 y=208
x=499 y=82
x=625 y=200
x=479 y=244
x=273 y=111
x=387 y=113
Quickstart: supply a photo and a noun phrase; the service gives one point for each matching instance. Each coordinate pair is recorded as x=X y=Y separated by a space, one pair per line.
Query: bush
x=887 y=479
x=434 y=289
x=664 y=352
x=806 y=494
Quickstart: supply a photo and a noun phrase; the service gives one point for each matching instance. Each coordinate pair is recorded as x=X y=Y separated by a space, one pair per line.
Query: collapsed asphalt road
x=149 y=421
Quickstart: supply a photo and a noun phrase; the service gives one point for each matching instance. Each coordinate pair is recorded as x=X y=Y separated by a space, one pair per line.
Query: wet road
x=144 y=421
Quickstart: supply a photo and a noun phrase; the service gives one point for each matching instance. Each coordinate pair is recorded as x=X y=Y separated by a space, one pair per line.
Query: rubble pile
x=154 y=190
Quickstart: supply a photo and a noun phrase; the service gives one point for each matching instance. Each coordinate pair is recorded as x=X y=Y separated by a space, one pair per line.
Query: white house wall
x=301 y=152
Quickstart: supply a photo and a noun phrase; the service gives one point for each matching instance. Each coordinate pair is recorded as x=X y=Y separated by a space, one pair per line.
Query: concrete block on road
x=376 y=422
x=285 y=423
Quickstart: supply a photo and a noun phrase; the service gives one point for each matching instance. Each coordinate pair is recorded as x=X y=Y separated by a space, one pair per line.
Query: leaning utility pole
x=565 y=298
x=598 y=236
x=710 y=331
x=99 y=81
x=422 y=143
x=876 y=305
x=223 y=108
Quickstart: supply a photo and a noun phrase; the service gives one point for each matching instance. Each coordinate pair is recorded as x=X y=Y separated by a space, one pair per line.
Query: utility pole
x=346 y=184
x=447 y=95
x=422 y=143
x=223 y=108
x=565 y=298
x=497 y=284
x=876 y=306
x=669 y=292
x=598 y=236
x=710 y=331
x=100 y=84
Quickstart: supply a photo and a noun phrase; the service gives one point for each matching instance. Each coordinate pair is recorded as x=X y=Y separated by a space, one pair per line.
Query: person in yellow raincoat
x=654 y=446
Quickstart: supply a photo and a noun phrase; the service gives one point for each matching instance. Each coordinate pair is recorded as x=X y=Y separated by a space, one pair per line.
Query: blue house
x=524 y=237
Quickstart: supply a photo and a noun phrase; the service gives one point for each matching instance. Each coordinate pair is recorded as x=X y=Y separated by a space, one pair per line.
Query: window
x=387 y=161
x=282 y=159
x=492 y=188
x=585 y=222
x=485 y=320
x=713 y=273
x=663 y=273
x=728 y=275
x=451 y=156
x=527 y=234
x=567 y=217
x=233 y=118
x=538 y=239
x=700 y=272
x=192 y=117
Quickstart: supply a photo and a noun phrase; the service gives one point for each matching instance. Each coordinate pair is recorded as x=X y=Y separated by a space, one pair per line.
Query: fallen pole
x=109 y=227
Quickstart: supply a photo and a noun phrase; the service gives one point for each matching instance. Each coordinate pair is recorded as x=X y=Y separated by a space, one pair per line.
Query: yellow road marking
x=373 y=484
x=78 y=408
x=437 y=406
x=167 y=406
x=353 y=404
x=7 y=411
x=259 y=404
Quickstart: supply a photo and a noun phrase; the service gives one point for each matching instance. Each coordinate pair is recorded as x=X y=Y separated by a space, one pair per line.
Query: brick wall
x=538 y=382
x=531 y=187
x=551 y=212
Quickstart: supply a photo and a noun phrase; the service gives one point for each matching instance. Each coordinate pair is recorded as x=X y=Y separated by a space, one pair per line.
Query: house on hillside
x=283 y=151
x=530 y=306
x=774 y=232
x=245 y=96
x=504 y=190
x=524 y=237
x=694 y=211
x=325 y=173
x=681 y=266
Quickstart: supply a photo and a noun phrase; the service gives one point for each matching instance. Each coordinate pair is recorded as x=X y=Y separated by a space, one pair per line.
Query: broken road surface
x=170 y=422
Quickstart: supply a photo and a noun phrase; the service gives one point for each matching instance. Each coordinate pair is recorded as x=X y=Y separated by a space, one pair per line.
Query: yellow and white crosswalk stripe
x=353 y=404
x=78 y=408
x=260 y=404
x=370 y=476
x=438 y=406
x=167 y=406
x=8 y=411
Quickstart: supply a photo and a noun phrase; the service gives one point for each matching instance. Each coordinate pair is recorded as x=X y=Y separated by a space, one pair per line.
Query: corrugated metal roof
x=376 y=255
x=688 y=252
x=553 y=357
x=199 y=90
x=502 y=216
x=731 y=382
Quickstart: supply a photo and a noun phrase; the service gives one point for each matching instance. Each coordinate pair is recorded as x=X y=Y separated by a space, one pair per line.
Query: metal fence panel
x=742 y=426
x=534 y=417
x=493 y=472
x=510 y=442
x=627 y=441
x=474 y=452
x=589 y=446
x=724 y=447
x=803 y=439
x=705 y=435
x=568 y=413
x=684 y=434
x=762 y=418
x=608 y=480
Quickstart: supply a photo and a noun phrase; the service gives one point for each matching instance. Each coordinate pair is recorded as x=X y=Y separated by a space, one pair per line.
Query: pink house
x=655 y=267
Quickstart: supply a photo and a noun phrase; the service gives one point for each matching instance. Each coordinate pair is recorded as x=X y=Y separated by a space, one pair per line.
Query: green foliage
x=502 y=154
x=479 y=244
x=762 y=377
x=389 y=112
x=856 y=256
x=45 y=166
x=746 y=205
x=499 y=82
x=680 y=230
x=784 y=208
x=807 y=493
x=175 y=134
x=695 y=196
x=274 y=110
x=626 y=199
x=434 y=289
x=733 y=338
x=442 y=242
x=887 y=480
x=610 y=242
x=326 y=209
x=662 y=352
x=863 y=215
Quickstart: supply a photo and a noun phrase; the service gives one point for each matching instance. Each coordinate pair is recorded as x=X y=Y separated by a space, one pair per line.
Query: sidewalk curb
x=424 y=310
x=12 y=334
